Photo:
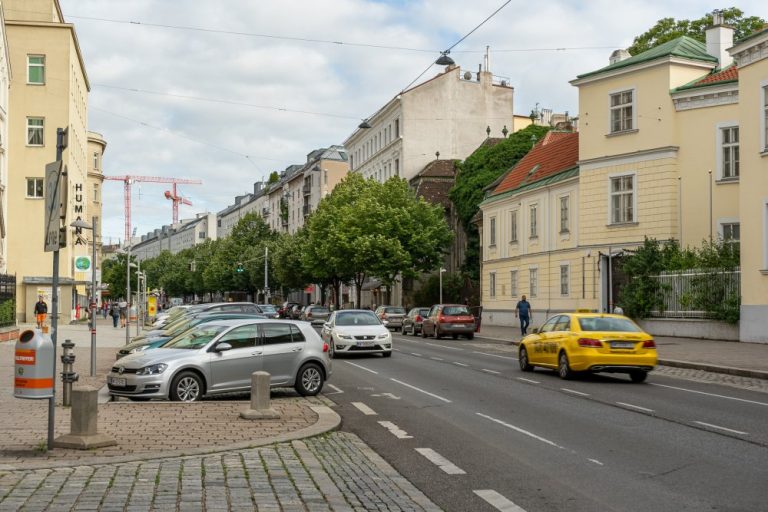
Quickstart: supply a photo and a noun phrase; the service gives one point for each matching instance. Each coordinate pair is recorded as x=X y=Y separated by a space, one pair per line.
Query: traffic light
x=239 y=267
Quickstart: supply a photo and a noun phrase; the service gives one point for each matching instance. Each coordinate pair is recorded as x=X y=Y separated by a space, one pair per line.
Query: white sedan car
x=356 y=331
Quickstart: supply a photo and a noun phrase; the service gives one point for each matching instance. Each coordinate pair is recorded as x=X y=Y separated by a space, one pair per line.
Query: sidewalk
x=730 y=357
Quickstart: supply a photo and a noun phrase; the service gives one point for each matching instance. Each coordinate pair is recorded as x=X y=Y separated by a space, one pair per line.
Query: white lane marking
x=415 y=354
x=490 y=371
x=386 y=395
x=364 y=409
x=498 y=501
x=522 y=431
x=443 y=346
x=437 y=359
x=495 y=355
x=635 y=407
x=440 y=461
x=337 y=390
x=722 y=428
x=596 y=462
x=362 y=367
x=528 y=380
x=710 y=394
x=421 y=390
x=574 y=392
x=395 y=430
x=460 y=364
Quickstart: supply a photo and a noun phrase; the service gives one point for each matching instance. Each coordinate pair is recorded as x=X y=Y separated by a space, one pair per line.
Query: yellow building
x=96 y=148
x=751 y=55
x=49 y=91
x=5 y=83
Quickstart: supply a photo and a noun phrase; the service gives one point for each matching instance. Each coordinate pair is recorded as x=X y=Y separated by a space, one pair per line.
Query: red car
x=449 y=320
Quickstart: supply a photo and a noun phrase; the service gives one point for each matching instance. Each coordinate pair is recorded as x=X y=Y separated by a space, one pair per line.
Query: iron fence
x=686 y=293
x=7 y=300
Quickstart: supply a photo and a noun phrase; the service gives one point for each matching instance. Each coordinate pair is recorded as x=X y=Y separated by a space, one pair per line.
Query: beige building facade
x=5 y=84
x=96 y=148
x=49 y=91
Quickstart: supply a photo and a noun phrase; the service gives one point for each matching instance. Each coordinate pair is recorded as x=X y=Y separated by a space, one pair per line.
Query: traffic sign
x=52 y=205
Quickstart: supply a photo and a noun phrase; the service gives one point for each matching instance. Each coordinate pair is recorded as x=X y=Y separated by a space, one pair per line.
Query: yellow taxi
x=589 y=342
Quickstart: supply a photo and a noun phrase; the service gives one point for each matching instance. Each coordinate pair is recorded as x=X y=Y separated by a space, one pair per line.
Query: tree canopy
x=667 y=29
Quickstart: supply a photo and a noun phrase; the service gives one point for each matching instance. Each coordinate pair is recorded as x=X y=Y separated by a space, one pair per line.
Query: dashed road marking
x=415 y=354
x=421 y=390
x=528 y=380
x=337 y=390
x=443 y=346
x=710 y=394
x=596 y=462
x=440 y=461
x=644 y=409
x=574 y=392
x=395 y=430
x=520 y=430
x=437 y=359
x=490 y=371
x=362 y=367
x=460 y=364
x=495 y=355
x=722 y=428
x=498 y=501
x=364 y=409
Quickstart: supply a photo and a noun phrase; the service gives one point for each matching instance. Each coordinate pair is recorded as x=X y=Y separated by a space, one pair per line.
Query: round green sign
x=82 y=263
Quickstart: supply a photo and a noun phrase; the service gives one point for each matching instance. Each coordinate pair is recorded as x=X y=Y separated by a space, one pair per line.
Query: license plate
x=461 y=326
x=364 y=343
x=622 y=344
x=115 y=381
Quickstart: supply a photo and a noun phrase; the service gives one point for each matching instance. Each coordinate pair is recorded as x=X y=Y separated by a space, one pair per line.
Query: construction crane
x=128 y=180
x=177 y=200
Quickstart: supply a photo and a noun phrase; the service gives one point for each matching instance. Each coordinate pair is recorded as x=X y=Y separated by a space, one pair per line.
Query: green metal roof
x=683 y=47
x=751 y=36
x=549 y=180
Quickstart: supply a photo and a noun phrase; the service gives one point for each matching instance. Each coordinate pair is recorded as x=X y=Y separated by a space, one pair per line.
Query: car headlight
x=382 y=336
x=153 y=369
x=139 y=349
x=343 y=336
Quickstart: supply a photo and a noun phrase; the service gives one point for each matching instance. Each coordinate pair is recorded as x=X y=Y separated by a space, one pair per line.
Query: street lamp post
x=92 y=304
x=441 y=283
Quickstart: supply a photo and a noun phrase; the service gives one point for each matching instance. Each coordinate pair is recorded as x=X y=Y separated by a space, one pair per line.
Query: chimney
x=618 y=56
x=719 y=39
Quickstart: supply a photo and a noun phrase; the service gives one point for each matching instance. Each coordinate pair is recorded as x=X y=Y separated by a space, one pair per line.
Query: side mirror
x=223 y=347
x=326 y=325
x=535 y=330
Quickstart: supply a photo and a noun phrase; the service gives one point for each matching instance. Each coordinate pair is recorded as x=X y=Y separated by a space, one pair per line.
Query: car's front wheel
x=310 y=379
x=638 y=376
x=187 y=387
x=564 y=367
x=522 y=358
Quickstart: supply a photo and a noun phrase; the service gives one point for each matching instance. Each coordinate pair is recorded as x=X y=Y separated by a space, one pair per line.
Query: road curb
x=327 y=421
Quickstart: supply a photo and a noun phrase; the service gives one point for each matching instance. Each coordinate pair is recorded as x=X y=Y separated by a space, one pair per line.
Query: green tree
x=429 y=293
x=274 y=177
x=113 y=275
x=667 y=29
x=486 y=165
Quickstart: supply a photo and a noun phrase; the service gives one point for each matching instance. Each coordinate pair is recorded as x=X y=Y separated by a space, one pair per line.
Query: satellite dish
x=467 y=75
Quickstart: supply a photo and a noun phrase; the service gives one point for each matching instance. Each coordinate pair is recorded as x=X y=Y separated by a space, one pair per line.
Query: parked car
x=448 y=320
x=269 y=310
x=156 y=339
x=295 y=312
x=285 y=310
x=413 y=320
x=589 y=342
x=219 y=357
x=391 y=316
x=316 y=315
x=238 y=307
x=356 y=331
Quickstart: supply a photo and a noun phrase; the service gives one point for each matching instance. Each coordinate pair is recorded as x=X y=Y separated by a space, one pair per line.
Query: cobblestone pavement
x=724 y=379
x=333 y=472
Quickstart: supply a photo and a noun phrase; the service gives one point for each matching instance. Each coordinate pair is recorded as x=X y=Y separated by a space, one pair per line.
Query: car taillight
x=309 y=315
x=590 y=342
x=649 y=344
x=325 y=347
x=418 y=318
x=440 y=318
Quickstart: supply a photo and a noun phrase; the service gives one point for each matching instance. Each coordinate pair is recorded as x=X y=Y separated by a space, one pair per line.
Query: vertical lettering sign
x=52 y=206
x=79 y=240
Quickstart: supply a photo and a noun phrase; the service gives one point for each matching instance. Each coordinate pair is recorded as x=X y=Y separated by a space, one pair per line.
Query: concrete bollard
x=260 y=399
x=83 y=433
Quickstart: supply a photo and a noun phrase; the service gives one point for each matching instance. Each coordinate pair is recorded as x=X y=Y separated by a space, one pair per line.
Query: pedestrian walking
x=114 y=312
x=41 y=311
x=104 y=309
x=525 y=313
x=123 y=309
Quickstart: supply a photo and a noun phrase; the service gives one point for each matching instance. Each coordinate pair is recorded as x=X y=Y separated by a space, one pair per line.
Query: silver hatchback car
x=220 y=356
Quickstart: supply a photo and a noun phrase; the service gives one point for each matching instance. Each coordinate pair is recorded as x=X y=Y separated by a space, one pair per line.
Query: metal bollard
x=68 y=377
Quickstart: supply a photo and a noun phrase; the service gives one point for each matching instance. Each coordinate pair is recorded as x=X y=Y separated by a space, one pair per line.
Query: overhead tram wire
x=448 y=50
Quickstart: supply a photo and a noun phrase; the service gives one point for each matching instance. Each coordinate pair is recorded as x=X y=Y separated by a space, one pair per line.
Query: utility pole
x=266 y=272
x=94 y=220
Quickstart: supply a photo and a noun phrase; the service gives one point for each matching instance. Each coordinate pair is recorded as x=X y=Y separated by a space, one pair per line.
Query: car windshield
x=267 y=308
x=424 y=311
x=395 y=311
x=195 y=338
x=319 y=310
x=455 y=310
x=357 y=318
x=591 y=324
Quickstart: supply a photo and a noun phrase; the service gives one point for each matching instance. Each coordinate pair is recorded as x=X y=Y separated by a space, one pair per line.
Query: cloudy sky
x=254 y=89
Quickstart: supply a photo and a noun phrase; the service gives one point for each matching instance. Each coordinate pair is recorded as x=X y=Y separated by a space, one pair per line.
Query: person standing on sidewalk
x=525 y=313
x=123 y=305
x=41 y=311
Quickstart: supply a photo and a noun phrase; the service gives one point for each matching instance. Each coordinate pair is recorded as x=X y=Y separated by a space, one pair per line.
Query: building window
x=564 y=214
x=492 y=284
x=352 y=162
x=397 y=167
x=622 y=104
x=96 y=161
x=35 y=127
x=397 y=128
x=95 y=192
x=35 y=187
x=730 y=152
x=533 y=281
x=513 y=227
x=534 y=222
x=513 y=283
x=36 y=69
x=622 y=199
x=765 y=118
x=731 y=232
x=493 y=231
x=201 y=235
x=564 y=276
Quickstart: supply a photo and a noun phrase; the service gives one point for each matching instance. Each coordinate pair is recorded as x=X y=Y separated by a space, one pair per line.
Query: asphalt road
x=473 y=432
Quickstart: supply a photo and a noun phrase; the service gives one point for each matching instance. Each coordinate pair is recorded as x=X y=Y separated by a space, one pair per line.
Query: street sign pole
x=94 y=220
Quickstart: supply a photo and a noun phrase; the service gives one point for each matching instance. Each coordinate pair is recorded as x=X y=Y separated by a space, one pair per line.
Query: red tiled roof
x=439 y=168
x=724 y=75
x=556 y=152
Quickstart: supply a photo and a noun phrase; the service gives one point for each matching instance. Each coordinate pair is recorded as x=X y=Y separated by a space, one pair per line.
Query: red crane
x=177 y=199
x=128 y=180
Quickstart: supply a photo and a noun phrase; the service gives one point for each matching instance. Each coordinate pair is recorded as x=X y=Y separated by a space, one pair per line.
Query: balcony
x=307 y=209
x=307 y=189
